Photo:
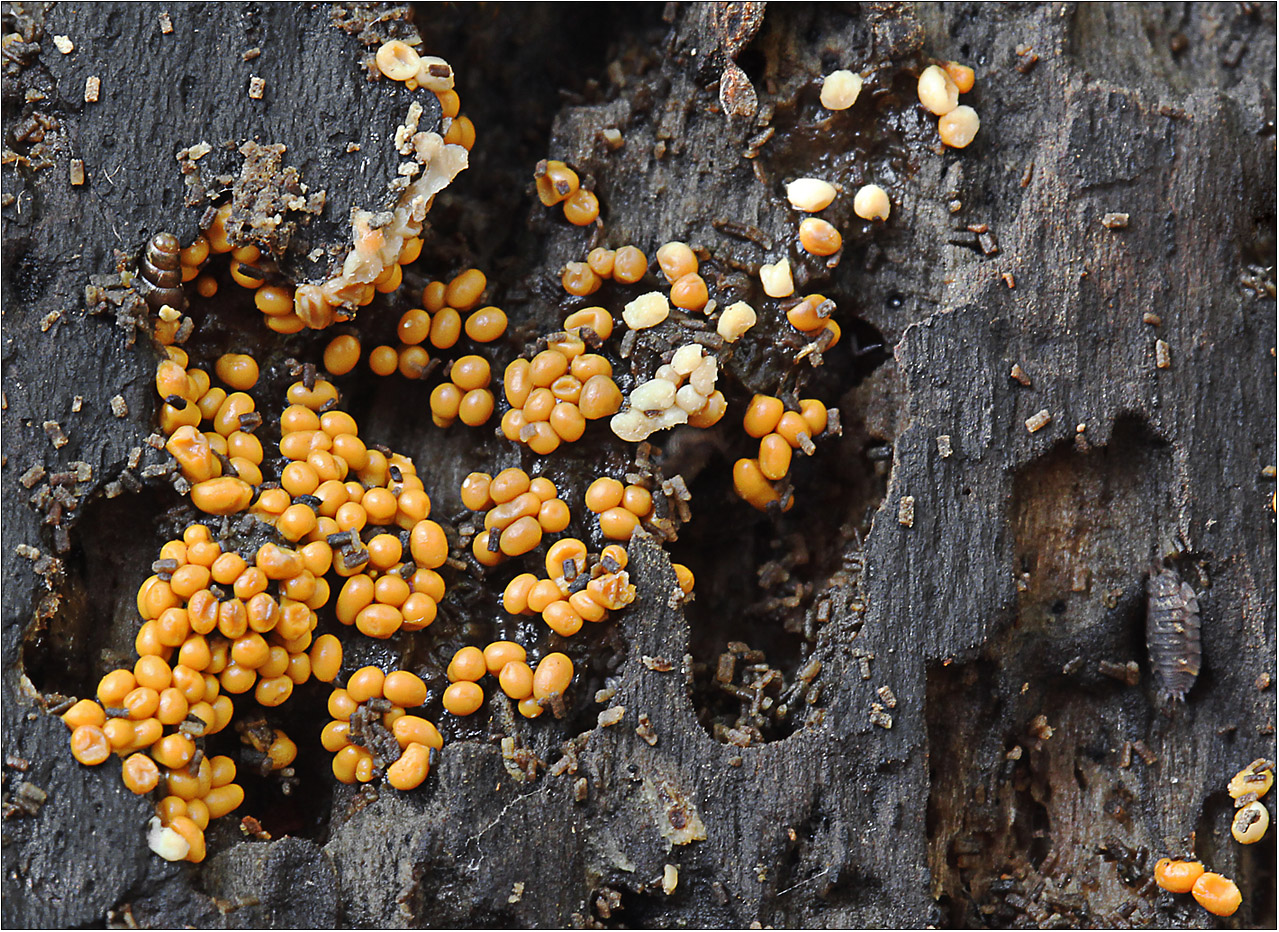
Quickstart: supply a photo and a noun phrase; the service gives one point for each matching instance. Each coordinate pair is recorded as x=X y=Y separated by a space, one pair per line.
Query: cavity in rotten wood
x=1028 y=58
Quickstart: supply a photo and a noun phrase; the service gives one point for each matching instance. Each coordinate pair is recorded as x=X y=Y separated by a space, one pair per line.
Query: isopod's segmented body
x=160 y=273
x=1172 y=633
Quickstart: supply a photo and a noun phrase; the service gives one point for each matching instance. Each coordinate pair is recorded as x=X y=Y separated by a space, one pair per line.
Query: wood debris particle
x=612 y=138
x=657 y=664
x=53 y=430
x=1148 y=757
x=944 y=448
x=166 y=24
x=31 y=476
x=674 y=813
x=1009 y=280
x=670 y=879
x=879 y=717
x=76 y=172
x=1038 y=421
x=49 y=320
x=1028 y=58
x=64 y=44
x=887 y=696
x=77 y=403
x=517 y=892
x=1151 y=318
x=906 y=511
x=1163 y=355
x=581 y=790
x=645 y=730
x=1115 y=221
x=611 y=716
x=256 y=87
x=250 y=54
x=1018 y=375
x=119 y=407
x=92 y=89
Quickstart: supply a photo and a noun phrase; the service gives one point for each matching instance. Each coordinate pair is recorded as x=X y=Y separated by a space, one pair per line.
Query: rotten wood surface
x=945 y=570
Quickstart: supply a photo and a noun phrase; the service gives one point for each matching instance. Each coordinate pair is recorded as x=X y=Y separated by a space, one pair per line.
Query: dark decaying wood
x=956 y=604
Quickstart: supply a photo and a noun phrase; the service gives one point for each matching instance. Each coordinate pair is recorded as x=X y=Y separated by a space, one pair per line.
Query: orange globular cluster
x=213 y=626
x=1217 y=894
x=217 y=622
x=285 y=309
x=620 y=508
x=812 y=317
x=626 y=265
x=222 y=464
x=578 y=587
x=780 y=432
x=531 y=688
x=518 y=511
x=679 y=265
x=559 y=184
x=372 y=733
x=466 y=395
x=554 y=394
x=376 y=526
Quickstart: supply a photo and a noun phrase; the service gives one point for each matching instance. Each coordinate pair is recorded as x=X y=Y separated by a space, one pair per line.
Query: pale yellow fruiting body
x=937 y=91
x=959 y=127
x=871 y=203
x=810 y=194
x=840 y=89
x=777 y=280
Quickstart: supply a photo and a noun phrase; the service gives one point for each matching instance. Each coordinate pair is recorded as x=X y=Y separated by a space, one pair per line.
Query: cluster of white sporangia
x=682 y=391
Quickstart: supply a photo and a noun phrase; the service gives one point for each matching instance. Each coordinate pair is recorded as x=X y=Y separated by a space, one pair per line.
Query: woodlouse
x=1172 y=633
x=160 y=273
